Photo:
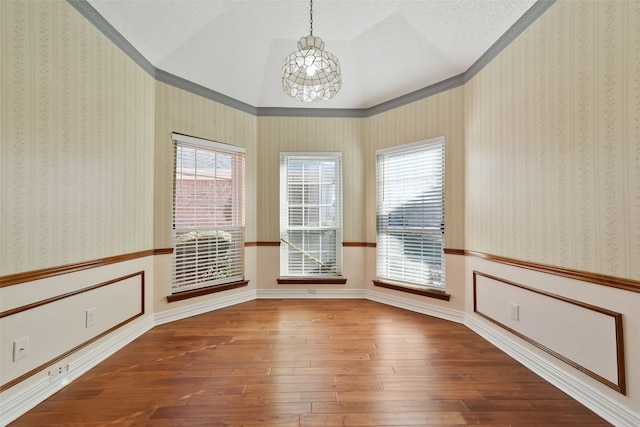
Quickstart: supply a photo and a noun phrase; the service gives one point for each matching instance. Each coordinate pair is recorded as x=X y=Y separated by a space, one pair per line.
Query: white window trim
x=237 y=210
x=207 y=143
x=329 y=155
x=407 y=148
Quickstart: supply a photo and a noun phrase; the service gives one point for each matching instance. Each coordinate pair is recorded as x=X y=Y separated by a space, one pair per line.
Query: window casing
x=208 y=213
x=410 y=214
x=310 y=214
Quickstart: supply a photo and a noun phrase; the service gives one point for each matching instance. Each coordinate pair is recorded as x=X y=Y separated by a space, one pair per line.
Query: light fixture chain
x=311 y=17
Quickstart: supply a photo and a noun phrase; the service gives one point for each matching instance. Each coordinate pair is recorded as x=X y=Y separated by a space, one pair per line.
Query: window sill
x=179 y=296
x=431 y=293
x=311 y=280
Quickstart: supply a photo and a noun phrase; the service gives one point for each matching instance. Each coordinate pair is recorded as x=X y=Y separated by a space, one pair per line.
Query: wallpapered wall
x=77 y=141
x=553 y=142
x=551 y=127
x=279 y=134
x=265 y=137
x=183 y=112
x=439 y=115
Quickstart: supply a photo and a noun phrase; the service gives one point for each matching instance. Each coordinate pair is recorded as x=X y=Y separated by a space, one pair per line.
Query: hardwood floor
x=308 y=363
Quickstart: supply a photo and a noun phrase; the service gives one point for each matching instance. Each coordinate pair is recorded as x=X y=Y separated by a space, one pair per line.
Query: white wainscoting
x=570 y=332
x=606 y=402
x=51 y=311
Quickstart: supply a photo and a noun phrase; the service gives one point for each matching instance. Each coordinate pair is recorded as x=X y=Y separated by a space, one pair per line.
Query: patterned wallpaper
x=438 y=115
x=553 y=142
x=276 y=134
x=550 y=172
x=183 y=112
x=77 y=141
x=265 y=137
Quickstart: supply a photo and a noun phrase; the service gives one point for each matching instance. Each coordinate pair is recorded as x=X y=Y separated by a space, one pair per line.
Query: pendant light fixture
x=311 y=73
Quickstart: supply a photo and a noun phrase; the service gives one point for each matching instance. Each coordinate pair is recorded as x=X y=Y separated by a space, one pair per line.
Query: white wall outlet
x=90 y=316
x=20 y=348
x=514 y=311
x=57 y=371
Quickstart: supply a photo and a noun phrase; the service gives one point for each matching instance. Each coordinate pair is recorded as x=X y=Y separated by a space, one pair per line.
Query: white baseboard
x=204 y=307
x=15 y=406
x=417 y=306
x=599 y=403
x=310 y=293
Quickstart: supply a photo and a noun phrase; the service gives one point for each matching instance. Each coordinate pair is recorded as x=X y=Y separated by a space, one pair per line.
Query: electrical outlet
x=57 y=371
x=90 y=316
x=514 y=311
x=20 y=348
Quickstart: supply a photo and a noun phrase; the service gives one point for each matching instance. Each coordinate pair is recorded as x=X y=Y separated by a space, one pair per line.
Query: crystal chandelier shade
x=311 y=73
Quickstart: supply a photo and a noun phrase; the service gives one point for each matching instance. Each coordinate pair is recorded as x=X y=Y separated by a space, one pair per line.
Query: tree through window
x=208 y=213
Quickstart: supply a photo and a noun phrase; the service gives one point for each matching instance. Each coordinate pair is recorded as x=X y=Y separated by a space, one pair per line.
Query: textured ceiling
x=386 y=48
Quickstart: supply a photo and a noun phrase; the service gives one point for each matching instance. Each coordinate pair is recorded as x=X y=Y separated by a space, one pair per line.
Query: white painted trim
x=312 y=154
x=203 y=307
x=418 y=307
x=599 y=403
x=207 y=143
x=411 y=145
x=15 y=406
x=310 y=293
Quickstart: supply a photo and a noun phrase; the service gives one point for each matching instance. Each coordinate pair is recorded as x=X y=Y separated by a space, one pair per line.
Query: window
x=410 y=214
x=310 y=214
x=208 y=213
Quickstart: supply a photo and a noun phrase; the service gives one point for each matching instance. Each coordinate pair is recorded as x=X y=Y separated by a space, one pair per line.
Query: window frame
x=286 y=246
x=429 y=233
x=210 y=228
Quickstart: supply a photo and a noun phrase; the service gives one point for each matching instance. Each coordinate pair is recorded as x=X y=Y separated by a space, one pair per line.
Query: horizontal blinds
x=208 y=215
x=310 y=215
x=410 y=213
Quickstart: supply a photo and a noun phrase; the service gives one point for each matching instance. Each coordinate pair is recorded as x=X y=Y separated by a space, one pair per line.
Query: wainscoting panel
x=587 y=337
x=57 y=326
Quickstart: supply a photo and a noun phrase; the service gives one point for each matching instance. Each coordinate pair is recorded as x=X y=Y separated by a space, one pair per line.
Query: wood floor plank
x=382 y=419
x=225 y=409
x=436 y=386
x=441 y=393
x=264 y=398
x=478 y=405
x=225 y=421
x=292 y=388
x=533 y=417
x=293 y=363
x=416 y=405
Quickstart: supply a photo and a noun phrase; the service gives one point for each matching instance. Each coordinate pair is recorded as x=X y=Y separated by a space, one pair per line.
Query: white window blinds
x=410 y=213
x=310 y=214
x=208 y=213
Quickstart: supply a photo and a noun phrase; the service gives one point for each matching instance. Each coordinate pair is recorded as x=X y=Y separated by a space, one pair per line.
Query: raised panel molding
x=598 y=326
x=598 y=402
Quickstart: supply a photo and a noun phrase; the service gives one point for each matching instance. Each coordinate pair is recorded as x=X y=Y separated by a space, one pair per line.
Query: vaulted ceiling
x=386 y=48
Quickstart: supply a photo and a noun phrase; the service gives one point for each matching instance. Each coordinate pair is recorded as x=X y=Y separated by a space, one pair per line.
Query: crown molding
x=98 y=21
x=530 y=16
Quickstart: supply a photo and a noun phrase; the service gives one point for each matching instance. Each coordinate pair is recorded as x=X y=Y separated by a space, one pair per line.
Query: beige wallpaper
x=551 y=128
x=553 y=142
x=77 y=141
x=183 y=112
x=278 y=134
x=439 y=115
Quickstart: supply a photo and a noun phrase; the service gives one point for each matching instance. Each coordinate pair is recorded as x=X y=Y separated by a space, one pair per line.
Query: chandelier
x=311 y=73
